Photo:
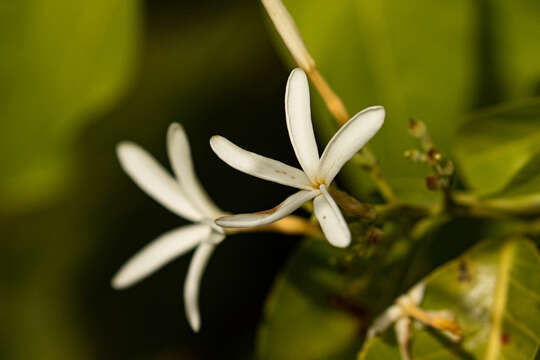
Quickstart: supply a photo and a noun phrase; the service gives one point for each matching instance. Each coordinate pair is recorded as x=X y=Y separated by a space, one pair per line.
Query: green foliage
x=305 y=317
x=493 y=290
x=63 y=62
x=498 y=148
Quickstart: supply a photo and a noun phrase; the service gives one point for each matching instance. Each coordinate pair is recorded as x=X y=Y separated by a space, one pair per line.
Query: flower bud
x=288 y=31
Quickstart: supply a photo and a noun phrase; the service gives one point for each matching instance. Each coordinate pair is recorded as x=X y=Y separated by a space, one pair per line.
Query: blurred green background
x=78 y=77
x=75 y=79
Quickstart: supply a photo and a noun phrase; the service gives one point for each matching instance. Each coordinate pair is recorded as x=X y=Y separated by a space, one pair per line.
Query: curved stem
x=290 y=225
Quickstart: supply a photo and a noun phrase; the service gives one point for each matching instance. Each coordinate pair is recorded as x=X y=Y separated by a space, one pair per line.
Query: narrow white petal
x=416 y=293
x=193 y=281
x=298 y=112
x=403 y=334
x=257 y=165
x=331 y=220
x=290 y=204
x=350 y=138
x=159 y=252
x=150 y=176
x=180 y=157
x=382 y=322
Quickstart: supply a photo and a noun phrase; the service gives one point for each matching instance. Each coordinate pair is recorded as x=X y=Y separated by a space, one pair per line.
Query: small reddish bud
x=374 y=235
x=434 y=156
x=432 y=182
x=417 y=128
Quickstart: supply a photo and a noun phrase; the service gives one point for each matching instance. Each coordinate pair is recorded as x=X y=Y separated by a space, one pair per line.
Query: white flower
x=397 y=314
x=405 y=308
x=183 y=196
x=318 y=173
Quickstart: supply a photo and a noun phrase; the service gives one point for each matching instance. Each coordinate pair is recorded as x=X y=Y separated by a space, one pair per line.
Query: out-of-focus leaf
x=63 y=62
x=515 y=31
x=526 y=181
x=496 y=144
x=494 y=292
x=322 y=302
x=413 y=58
x=522 y=194
x=300 y=320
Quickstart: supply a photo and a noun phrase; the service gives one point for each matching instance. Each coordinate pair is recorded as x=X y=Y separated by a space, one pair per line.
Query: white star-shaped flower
x=405 y=308
x=397 y=314
x=183 y=196
x=318 y=173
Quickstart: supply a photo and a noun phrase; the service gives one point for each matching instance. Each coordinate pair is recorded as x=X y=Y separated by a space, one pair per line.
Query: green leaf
x=494 y=292
x=522 y=195
x=515 y=29
x=496 y=144
x=300 y=320
x=63 y=62
x=526 y=181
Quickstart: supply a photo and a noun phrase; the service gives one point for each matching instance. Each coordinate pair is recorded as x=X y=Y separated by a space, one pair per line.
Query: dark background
x=211 y=66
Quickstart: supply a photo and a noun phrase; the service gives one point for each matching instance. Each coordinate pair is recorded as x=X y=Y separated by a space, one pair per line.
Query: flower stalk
x=435 y=321
x=290 y=225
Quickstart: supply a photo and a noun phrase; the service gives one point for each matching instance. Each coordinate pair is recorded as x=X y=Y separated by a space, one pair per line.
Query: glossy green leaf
x=496 y=144
x=300 y=320
x=522 y=194
x=494 y=292
x=526 y=181
x=63 y=62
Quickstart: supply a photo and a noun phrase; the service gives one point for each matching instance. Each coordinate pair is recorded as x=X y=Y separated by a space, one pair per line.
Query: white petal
x=350 y=138
x=297 y=110
x=331 y=220
x=150 y=176
x=417 y=293
x=159 y=252
x=257 y=165
x=180 y=157
x=290 y=204
x=403 y=334
x=382 y=322
x=193 y=281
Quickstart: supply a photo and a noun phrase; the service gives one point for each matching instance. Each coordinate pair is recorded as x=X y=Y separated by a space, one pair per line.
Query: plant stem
x=290 y=225
x=437 y=322
x=351 y=206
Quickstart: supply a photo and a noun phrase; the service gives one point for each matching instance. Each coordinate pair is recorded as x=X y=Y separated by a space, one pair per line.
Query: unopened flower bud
x=432 y=182
x=417 y=128
x=288 y=31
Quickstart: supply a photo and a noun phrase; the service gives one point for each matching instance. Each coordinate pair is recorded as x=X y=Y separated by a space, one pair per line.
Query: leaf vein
x=524 y=289
x=524 y=328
